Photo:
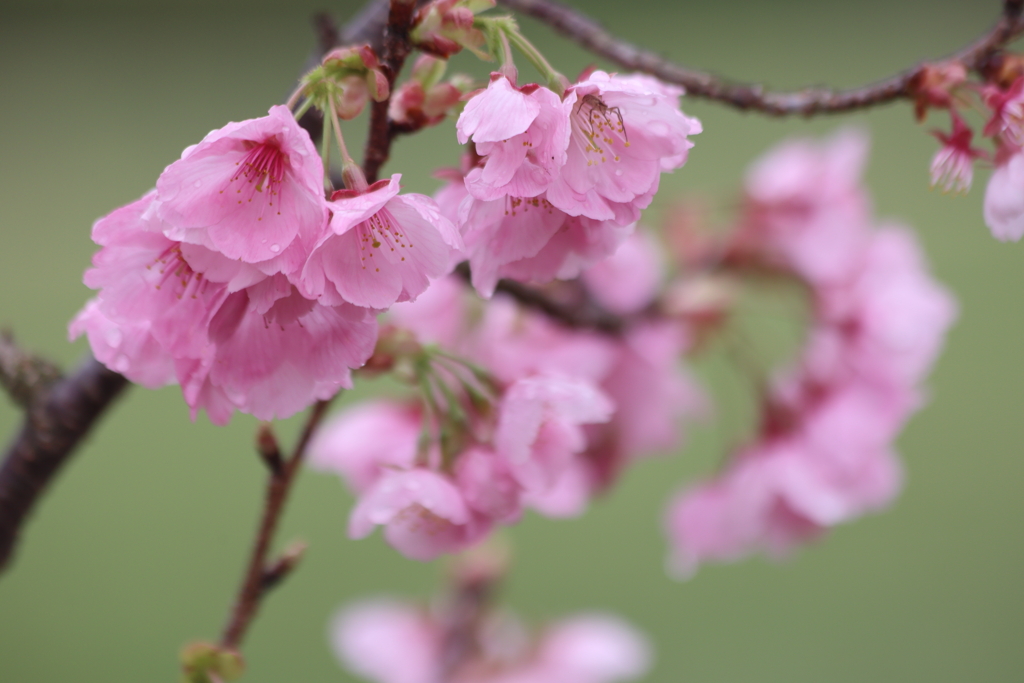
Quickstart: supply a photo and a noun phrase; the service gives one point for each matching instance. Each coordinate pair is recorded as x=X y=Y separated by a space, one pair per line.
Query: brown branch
x=475 y=580
x=56 y=420
x=261 y=574
x=753 y=97
x=396 y=48
x=23 y=375
x=581 y=315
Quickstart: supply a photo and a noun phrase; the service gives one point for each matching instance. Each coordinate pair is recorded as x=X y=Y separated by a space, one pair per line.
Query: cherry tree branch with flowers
x=539 y=338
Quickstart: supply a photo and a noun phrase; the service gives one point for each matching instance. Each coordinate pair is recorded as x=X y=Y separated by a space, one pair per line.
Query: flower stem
x=555 y=80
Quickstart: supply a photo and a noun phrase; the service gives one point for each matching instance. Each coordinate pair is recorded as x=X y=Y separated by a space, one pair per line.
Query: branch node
x=269 y=450
x=24 y=376
x=282 y=567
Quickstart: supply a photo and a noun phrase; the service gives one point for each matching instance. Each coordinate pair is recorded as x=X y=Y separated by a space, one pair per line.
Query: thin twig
x=753 y=97
x=588 y=316
x=260 y=574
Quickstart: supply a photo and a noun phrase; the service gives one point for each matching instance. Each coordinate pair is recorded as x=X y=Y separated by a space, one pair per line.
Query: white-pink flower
x=807 y=207
x=367 y=635
x=625 y=131
x=629 y=279
x=502 y=231
x=540 y=426
x=953 y=165
x=893 y=315
x=382 y=247
x=521 y=133
x=1004 y=200
x=592 y=648
x=423 y=514
x=365 y=441
x=248 y=191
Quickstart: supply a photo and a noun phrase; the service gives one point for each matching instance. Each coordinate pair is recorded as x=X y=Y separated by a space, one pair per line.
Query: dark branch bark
x=753 y=97
x=55 y=423
x=23 y=375
x=585 y=316
x=397 y=47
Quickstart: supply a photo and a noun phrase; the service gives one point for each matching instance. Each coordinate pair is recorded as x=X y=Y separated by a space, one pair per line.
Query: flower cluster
x=559 y=180
x=1001 y=97
x=585 y=648
x=824 y=454
x=535 y=416
x=239 y=280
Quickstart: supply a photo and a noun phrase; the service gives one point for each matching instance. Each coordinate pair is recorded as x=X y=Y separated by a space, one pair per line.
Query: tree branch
x=56 y=420
x=261 y=574
x=24 y=376
x=753 y=97
x=397 y=47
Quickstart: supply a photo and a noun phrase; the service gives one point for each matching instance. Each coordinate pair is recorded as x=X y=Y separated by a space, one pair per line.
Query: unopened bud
x=934 y=84
x=1003 y=68
x=209 y=663
x=444 y=27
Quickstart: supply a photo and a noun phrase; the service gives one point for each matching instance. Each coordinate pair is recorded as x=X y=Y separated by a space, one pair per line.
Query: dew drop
x=275 y=248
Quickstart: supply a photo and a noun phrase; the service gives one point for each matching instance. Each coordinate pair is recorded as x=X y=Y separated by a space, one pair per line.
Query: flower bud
x=444 y=27
x=206 y=662
x=933 y=86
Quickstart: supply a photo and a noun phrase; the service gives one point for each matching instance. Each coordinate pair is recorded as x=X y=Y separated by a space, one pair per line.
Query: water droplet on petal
x=275 y=248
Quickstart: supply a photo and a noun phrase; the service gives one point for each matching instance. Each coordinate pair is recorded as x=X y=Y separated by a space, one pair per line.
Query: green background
x=138 y=547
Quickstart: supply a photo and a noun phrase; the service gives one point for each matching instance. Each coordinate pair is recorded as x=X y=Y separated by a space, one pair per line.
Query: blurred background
x=139 y=546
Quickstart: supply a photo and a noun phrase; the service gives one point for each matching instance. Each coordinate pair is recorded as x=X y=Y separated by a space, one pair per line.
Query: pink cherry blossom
x=126 y=348
x=247 y=190
x=438 y=316
x=569 y=492
x=367 y=635
x=807 y=206
x=423 y=513
x=449 y=197
x=890 y=319
x=529 y=239
x=593 y=648
x=539 y=426
x=514 y=344
x=1004 y=199
x=953 y=165
x=654 y=395
x=1007 y=112
x=488 y=485
x=503 y=231
x=382 y=247
x=522 y=133
x=734 y=515
x=579 y=243
x=364 y=441
x=584 y=648
x=236 y=338
x=624 y=132
x=629 y=279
